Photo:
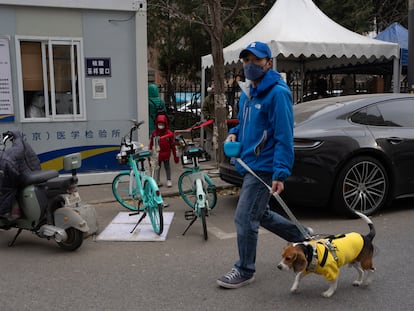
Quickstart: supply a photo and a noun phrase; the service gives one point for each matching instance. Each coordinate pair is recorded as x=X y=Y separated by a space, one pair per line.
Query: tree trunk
x=220 y=101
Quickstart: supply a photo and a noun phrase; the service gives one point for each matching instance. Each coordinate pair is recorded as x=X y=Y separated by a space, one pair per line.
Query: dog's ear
x=300 y=263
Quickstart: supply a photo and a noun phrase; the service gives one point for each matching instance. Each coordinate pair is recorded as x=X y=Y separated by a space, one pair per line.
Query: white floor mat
x=121 y=226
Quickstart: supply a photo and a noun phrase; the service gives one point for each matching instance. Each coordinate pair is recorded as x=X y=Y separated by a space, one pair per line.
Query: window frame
x=47 y=43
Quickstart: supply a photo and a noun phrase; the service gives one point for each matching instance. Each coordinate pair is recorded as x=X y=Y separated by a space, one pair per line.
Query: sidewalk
x=95 y=194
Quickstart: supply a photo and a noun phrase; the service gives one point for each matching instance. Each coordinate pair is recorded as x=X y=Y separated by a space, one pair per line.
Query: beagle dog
x=326 y=256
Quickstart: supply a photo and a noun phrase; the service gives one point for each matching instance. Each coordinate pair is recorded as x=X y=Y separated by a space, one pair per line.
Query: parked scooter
x=42 y=201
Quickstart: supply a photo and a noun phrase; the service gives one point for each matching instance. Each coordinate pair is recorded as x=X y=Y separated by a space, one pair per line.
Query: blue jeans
x=253 y=211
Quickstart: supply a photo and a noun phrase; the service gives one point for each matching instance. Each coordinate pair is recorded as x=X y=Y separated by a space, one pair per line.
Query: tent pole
x=410 y=65
x=302 y=79
x=396 y=75
x=203 y=83
x=203 y=95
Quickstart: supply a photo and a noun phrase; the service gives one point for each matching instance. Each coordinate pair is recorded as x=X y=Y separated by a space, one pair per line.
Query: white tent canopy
x=301 y=37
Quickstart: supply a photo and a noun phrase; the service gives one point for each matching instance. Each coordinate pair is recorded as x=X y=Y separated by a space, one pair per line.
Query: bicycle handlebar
x=137 y=124
x=135 y=127
x=7 y=136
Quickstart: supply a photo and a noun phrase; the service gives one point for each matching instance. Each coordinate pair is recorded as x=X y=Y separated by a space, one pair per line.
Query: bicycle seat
x=194 y=152
x=142 y=155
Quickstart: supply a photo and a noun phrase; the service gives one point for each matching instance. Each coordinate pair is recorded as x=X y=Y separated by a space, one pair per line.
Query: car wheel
x=362 y=186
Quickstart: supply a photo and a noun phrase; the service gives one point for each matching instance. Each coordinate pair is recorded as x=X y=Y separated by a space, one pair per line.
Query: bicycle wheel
x=187 y=189
x=211 y=192
x=120 y=189
x=154 y=209
x=204 y=222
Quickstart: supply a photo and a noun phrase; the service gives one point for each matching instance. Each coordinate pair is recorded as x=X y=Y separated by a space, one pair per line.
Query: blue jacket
x=266 y=127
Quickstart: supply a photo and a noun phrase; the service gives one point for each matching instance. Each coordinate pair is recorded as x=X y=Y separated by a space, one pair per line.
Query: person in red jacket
x=166 y=147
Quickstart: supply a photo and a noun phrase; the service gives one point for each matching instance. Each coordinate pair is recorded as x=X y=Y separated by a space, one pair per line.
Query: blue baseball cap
x=259 y=49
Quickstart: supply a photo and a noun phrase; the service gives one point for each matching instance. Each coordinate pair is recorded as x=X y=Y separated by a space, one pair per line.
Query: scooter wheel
x=74 y=240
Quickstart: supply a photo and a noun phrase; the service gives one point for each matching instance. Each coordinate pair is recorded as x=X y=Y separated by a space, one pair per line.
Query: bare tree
x=215 y=27
x=213 y=15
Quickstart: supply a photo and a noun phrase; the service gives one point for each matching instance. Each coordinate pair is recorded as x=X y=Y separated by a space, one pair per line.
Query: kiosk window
x=51 y=80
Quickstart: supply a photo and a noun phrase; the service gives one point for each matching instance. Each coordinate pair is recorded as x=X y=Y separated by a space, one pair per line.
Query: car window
x=369 y=116
x=392 y=113
x=398 y=113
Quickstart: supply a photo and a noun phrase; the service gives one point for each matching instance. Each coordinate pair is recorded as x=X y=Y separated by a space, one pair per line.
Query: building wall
x=48 y=22
x=7 y=20
x=105 y=34
x=105 y=37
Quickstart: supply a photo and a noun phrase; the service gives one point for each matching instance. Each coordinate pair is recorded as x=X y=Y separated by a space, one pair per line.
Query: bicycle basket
x=137 y=146
x=186 y=160
x=122 y=156
x=190 y=152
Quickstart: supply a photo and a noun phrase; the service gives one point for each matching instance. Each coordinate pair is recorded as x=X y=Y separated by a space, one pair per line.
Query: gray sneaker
x=233 y=279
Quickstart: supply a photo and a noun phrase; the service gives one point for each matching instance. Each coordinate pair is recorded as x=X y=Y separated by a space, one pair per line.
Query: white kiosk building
x=73 y=73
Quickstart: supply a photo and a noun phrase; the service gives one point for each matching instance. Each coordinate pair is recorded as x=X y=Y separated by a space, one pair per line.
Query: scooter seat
x=59 y=185
x=37 y=177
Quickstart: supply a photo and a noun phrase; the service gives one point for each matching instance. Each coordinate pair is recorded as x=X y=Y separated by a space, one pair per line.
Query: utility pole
x=410 y=67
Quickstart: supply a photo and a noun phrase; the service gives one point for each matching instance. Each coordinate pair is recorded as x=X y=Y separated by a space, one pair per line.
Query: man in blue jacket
x=265 y=132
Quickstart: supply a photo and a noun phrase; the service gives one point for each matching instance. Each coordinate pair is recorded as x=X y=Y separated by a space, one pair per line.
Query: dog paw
x=294 y=290
x=328 y=293
x=364 y=283
x=357 y=283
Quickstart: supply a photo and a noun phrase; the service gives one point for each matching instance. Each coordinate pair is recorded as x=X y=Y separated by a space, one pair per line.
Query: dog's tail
x=371 y=233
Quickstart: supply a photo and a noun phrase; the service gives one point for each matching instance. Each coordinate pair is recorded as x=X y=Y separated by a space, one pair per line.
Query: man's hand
x=231 y=137
x=277 y=186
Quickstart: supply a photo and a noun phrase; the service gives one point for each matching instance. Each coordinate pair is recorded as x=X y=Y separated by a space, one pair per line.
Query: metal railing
x=184 y=103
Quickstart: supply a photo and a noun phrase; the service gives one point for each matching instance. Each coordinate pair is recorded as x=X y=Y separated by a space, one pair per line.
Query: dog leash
x=279 y=200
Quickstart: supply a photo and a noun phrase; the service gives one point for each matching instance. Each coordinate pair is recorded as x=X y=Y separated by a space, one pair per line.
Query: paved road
x=180 y=273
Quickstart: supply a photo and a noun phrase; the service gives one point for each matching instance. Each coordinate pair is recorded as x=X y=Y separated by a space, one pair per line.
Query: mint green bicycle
x=196 y=188
x=134 y=189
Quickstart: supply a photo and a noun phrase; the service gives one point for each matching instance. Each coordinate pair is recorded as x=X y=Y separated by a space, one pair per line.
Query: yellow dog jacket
x=342 y=250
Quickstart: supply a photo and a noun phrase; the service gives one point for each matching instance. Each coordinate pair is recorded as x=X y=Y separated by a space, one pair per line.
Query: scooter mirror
x=72 y=161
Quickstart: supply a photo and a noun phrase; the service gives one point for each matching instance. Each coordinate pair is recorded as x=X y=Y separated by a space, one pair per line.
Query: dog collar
x=311 y=255
x=313 y=263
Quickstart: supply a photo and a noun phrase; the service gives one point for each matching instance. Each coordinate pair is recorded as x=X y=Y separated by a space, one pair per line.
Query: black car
x=351 y=153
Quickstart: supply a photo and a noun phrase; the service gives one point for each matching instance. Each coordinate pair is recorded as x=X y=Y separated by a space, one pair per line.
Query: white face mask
x=161 y=126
